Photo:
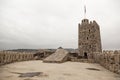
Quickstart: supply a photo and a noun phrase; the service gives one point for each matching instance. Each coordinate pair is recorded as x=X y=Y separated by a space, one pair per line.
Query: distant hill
x=35 y=50
x=23 y=50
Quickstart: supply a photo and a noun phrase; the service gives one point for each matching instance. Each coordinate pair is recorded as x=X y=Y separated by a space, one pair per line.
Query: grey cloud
x=53 y=23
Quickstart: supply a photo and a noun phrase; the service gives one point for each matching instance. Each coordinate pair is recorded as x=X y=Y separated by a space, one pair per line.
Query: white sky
x=54 y=23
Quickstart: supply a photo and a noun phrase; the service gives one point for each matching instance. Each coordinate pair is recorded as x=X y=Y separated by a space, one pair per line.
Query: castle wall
x=10 y=57
x=108 y=59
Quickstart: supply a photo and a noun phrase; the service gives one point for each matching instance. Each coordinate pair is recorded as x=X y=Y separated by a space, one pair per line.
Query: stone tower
x=89 y=39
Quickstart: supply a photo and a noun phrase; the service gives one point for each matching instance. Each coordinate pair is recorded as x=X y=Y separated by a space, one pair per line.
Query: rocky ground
x=37 y=70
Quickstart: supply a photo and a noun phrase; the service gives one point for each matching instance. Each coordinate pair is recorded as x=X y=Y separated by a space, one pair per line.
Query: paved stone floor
x=54 y=71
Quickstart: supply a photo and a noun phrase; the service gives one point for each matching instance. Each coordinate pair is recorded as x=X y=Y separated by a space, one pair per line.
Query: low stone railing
x=10 y=56
x=108 y=59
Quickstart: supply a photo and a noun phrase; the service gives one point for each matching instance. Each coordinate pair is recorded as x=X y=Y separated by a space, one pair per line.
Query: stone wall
x=89 y=39
x=10 y=56
x=108 y=59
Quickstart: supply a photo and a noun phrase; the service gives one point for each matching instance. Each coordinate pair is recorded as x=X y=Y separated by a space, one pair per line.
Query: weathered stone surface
x=59 y=56
x=108 y=59
x=51 y=71
x=89 y=39
x=10 y=56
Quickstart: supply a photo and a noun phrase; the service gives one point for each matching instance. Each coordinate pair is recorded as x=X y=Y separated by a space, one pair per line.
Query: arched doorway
x=85 y=55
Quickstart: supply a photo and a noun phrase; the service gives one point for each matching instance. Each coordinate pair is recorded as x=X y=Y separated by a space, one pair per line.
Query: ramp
x=59 y=56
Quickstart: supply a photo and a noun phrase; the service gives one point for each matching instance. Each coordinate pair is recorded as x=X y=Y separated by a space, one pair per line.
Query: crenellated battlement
x=86 y=21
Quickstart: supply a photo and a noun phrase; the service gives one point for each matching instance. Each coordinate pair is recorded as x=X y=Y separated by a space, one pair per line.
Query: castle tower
x=89 y=39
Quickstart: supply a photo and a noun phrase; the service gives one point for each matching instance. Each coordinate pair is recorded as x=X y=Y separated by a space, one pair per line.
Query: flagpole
x=84 y=11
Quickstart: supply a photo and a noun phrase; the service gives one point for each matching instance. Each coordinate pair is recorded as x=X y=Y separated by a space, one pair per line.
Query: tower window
x=87 y=38
x=89 y=31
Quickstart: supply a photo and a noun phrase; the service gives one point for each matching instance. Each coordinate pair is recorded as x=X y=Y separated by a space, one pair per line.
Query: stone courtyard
x=53 y=71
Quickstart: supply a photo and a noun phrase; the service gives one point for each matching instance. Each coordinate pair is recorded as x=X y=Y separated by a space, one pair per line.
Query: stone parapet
x=10 y=56
x=108 y=59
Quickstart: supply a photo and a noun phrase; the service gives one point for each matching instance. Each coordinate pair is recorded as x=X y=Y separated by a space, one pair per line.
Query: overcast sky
x=54 y=23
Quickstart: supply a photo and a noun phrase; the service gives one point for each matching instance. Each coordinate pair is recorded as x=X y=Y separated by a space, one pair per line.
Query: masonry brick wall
x=108 y=59
x=10 y=56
